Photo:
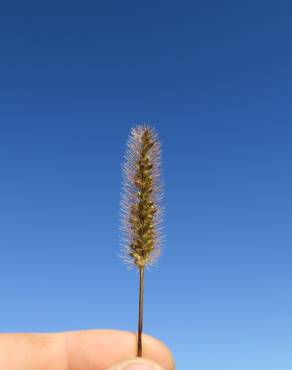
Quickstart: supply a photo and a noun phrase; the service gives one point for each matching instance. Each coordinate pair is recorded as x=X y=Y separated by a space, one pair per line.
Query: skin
x=78 y=350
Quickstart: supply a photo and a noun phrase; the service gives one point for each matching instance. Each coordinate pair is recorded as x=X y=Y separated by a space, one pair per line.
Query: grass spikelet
x=141 y=206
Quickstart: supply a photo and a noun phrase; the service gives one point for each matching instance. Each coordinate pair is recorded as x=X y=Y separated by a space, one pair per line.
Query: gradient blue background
x=215 y=79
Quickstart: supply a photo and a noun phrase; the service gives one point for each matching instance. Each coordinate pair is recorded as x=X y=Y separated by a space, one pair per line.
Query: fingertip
x=157 y=351
x=102 y=348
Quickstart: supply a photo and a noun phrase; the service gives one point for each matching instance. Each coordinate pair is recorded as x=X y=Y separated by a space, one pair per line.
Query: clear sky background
x=214 y=78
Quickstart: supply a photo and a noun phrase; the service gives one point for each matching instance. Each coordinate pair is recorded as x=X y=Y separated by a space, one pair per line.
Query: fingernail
x=140 y=366
x=136 y=365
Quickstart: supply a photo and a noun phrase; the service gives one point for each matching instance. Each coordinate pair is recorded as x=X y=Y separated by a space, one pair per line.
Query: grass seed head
x=141 y=198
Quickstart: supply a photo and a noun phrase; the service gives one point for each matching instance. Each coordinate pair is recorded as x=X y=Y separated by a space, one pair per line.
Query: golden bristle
x=142 y=194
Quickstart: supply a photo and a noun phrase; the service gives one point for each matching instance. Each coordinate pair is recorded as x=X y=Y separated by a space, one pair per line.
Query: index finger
x=78 y=350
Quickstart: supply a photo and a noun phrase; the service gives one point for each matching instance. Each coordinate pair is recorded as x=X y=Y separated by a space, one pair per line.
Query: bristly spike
x=141 y=211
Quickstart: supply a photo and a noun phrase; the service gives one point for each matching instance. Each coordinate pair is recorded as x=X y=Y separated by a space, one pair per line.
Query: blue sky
x=214 y=78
